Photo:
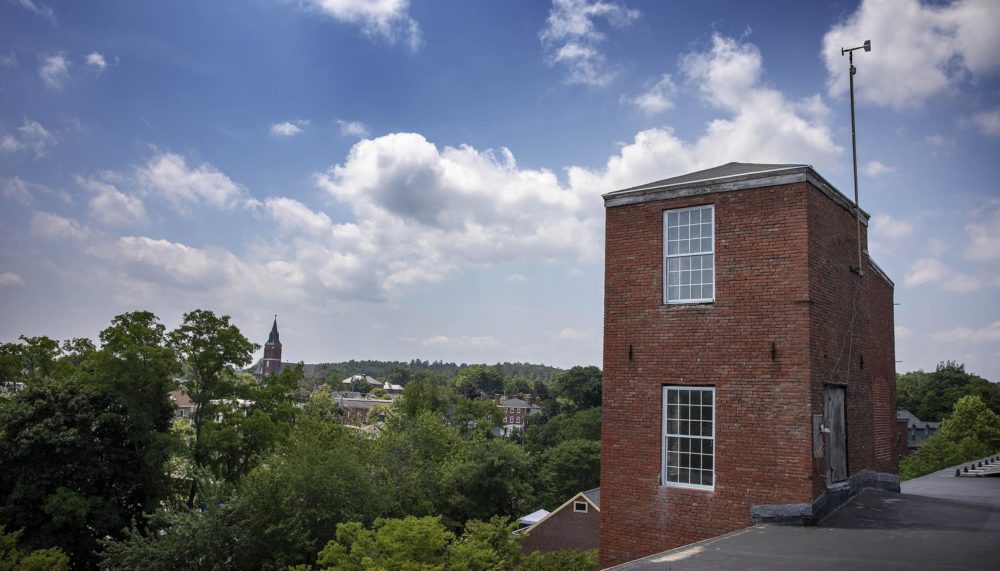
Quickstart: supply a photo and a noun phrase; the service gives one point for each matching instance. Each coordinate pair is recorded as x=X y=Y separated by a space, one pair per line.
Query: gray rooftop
x=939 y=521
x=730 y=177
x=721 y=171
x=594 y=496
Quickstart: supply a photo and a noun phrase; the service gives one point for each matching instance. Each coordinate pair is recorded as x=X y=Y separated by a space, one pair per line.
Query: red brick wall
x=564 y=529
x=778 y=280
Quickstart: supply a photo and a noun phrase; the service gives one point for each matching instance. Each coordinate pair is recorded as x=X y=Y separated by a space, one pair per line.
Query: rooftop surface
x=721 y=171
x=938 y=522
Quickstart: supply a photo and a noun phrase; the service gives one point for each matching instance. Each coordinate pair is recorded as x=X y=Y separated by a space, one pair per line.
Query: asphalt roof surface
x=938 y=522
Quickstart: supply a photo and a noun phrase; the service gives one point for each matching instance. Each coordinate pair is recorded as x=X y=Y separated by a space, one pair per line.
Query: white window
x=580 y=507
x=689 y=252
x=689 y=436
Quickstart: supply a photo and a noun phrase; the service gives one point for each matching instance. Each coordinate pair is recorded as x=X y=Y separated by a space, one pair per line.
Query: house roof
x=516 y=403
x=726 y=178
x=181 y=399
x=913 y=422
x=361 y=403
x=593 y=497
x=358 y=378
x=534 y=517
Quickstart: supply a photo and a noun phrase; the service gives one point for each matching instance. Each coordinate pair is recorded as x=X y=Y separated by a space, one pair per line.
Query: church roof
x=272 y=339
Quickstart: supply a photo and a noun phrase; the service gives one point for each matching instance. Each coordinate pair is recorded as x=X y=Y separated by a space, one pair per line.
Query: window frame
x=667 y=256
x=577 y=503
x=665 y=436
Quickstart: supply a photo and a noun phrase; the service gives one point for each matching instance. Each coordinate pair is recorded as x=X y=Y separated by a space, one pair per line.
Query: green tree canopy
x=931 y=396
x=578 y=388
x=971 y=432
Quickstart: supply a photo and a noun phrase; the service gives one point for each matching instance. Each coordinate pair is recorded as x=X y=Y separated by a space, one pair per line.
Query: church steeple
x=272 y=352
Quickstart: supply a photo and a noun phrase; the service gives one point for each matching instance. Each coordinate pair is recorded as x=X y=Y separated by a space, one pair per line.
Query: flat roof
x=727 y=178
x=939 y=521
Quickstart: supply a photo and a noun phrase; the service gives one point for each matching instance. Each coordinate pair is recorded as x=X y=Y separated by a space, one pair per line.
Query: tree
x=428 y=392
x=486 y=546
x=486 y=477
x=488 y=380
x=578 y=388
x=971 y=432
x=477 y=415
x=517 y=386
x=408 y=544
x=564 y=560
x=12 y=558
x=580 y=425
x=411 y=453
x=569 y=467
x=930 y=396
x=211 y=348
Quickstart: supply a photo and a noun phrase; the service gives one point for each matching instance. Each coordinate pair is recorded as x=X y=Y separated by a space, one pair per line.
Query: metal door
x=836 y=435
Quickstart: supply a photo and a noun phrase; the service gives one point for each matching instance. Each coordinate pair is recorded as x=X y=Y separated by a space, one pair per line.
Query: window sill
x=694 y=487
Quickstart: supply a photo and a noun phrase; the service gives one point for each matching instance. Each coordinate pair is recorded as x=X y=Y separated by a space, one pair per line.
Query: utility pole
x=854 y=144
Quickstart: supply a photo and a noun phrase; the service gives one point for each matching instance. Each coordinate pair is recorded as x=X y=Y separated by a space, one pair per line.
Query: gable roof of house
x=730 y=177
x=913 y=422
x=516 y=403
x=592 y=497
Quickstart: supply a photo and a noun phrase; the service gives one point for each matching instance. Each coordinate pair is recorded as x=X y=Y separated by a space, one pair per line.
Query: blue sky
x=420 y=179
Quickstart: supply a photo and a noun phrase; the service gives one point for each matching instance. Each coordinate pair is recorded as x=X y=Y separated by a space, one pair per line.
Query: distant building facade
x=749 y=366
x=516 y=412
x=917 y=431
x=271 y=364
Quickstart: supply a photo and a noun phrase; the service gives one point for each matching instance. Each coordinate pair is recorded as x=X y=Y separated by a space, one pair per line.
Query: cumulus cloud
x=934 y=272
x=31 y=136
x=885 y=226
x=876 y=168
x=571 y=38
x=987 y=122
x=169 y=176
x=388 y=20
x=919 y=49
x=96 y=61
x=54 y=70
x=353 y=128
x=463 y=342
x=903 y=332
x=54 y=227
x=289 y=128
x=111 y=206
x=656 y=99
x=16 y=190
x=515 y=279
x=8 y=60
x=10 y=279
x=984 y=234
x=983 y=335
x=572 y=335
x=39 y=9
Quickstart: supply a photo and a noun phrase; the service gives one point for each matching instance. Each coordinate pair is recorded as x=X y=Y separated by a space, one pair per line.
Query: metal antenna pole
x=854 y=144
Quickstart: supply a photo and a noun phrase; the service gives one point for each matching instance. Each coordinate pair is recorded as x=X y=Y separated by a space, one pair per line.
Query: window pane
x=684 y=396
x=695 y=262
x=673 y=426
x=685 y=461
x=706 y=428
x=684 y=476
x=684 y=247
x=673 y=459
x=684 y=217
x=707 y=292
x=696 y=413
x=672 y=248
x=696 y=231
x=695 y=429
x=706 y=244
x=685 y=443
x=672 y=218
x=707 y=462
x=674 y=444
x=673 y=397
x=706 y=397
x=673 y=264
x=674 y=293
x=672 y=233
x=672 y=411
x=695 y=216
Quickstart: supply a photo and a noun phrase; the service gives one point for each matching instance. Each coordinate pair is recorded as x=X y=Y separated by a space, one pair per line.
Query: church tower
x=272 y=353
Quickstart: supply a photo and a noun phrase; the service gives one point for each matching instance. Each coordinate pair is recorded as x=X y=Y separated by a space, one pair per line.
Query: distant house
x=532 y=518
x=355 y=381
x=184 y=407
x=573 y=525
x=917 y=431
x=515 y=412
x=356 y=410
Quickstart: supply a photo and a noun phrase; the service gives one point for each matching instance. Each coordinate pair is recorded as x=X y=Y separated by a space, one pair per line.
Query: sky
x=422 y=179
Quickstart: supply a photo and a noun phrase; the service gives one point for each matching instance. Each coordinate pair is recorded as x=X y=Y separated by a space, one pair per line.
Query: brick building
x=749 y=367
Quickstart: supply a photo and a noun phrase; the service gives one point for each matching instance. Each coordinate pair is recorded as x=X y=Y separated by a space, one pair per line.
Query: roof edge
x=559 y=509
x=731 y=183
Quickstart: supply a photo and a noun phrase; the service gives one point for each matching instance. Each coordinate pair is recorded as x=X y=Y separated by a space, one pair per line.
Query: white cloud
x=886 y=226
x=572 y=335
x=54 y=70
x=96 y=61
x=463 y=342
x=39 y=9
x=903 y=332
x=984 y=234
x=110 y=205
x=918 y=49
x=353 y=128
x=934 y=272
x=983 y=335
x=570 y=38
x=16 y=190
x=388 y=20
x=31 y=135
x=656 y=99
x=988 y=122
x=515 y=279
x=289 y=128
x=10 y=279
x=168 y=175
x=54 y=227
x=876 y=168
x=8 y=60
